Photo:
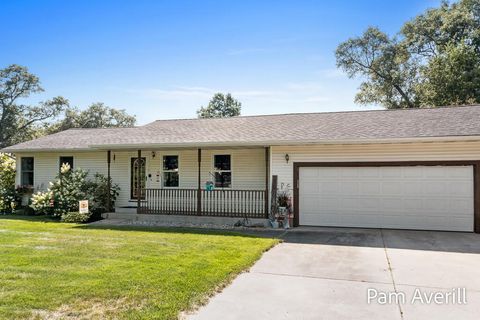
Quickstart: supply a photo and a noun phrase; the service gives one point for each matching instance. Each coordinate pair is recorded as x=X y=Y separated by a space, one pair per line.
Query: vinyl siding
x=46 y=165
x=469 y=150
x=248 y=168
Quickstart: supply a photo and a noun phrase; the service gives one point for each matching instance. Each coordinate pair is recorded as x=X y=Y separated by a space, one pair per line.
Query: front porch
x=192 y=182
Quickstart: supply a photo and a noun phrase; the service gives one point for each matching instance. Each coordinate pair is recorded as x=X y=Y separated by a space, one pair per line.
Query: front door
x=135 y=179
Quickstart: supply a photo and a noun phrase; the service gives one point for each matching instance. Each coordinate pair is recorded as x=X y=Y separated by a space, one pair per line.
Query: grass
x=52 y=270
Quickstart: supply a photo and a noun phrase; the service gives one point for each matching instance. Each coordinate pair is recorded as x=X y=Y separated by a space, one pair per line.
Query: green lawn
x=69 y=271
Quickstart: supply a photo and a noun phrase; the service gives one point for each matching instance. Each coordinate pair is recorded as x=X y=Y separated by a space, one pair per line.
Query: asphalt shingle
x=272 y=129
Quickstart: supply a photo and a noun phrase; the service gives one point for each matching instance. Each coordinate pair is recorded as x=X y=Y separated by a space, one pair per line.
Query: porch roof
x=446 y=123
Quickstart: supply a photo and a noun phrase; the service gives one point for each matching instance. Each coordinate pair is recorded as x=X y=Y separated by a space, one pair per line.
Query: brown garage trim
x=474 y=163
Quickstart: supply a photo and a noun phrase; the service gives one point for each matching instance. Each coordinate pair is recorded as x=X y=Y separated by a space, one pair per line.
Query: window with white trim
x=27 y=167
x=170 y=171
x=222 y=166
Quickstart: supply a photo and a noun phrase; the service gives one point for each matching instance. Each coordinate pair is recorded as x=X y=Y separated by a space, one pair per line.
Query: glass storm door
x=135 y=179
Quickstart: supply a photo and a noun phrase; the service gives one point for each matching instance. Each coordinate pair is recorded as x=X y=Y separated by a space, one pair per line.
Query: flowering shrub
x=68 y=188
x=42 y=202
x=8 y=196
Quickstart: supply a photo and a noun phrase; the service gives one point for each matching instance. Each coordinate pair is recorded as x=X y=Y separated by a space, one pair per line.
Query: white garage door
x=415 y=197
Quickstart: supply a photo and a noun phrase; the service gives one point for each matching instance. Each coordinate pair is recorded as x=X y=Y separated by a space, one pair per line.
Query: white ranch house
x=405 y=169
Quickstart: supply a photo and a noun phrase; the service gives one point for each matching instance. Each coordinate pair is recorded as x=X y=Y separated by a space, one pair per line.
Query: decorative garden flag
x=83 y=206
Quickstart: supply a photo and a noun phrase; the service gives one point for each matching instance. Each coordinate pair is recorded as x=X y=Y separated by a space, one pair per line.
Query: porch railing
x=220 y=203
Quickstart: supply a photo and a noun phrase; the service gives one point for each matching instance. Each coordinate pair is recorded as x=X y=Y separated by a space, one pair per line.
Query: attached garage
x=399 y=195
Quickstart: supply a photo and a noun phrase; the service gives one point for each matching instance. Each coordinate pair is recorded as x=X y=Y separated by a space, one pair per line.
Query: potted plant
x=25 y=193
x=283 y=200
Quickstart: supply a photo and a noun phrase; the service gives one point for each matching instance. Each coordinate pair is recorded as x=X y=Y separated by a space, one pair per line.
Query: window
x=135 y=179
x=170 y=171
x=27 y=171
x=68 y=160
x=222 y=166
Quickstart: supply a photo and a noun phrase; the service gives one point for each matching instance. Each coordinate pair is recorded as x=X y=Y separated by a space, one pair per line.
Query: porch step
x=123 y=210
x=120 y=215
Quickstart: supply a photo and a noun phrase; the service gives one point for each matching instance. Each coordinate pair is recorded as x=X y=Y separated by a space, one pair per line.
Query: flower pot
x=25 y=199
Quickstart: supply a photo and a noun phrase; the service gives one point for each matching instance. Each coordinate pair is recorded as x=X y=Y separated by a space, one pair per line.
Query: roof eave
x=279 y=143
x=25 y=150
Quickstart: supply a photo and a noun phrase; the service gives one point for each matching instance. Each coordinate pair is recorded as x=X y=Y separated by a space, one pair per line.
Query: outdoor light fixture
x=287 y=157
x=153 y=154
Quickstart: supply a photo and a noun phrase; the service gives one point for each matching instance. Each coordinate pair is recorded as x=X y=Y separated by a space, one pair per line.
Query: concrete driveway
x=329 y=273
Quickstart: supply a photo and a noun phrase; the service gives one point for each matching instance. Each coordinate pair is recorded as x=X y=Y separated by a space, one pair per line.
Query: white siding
x=368 y=152
x=248 y=168
x=46 y=165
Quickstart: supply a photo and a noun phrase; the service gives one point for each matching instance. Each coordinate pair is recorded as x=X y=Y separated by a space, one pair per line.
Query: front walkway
x=325 y=273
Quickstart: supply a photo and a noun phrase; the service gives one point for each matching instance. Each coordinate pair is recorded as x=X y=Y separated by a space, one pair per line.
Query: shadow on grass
x=184 y=230
x=46 y=219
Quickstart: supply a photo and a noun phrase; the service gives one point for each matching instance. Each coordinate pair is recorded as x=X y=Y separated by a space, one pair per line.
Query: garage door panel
x=331 y=188
x=368 y=172
x=312 y=187
x=391 y=172
x=460 y=172
x=391 y=187
x=461 y=205
x=412 y=173
x=410 y=197
x=460 y=188
x=369 y=187
x=350 y=188
x=412 y=188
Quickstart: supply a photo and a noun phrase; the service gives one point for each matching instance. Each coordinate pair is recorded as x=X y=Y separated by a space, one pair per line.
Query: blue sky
x=163 y=59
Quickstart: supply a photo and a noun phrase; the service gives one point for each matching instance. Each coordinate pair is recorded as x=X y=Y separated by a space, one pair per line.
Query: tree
x=385 y=64
x=97 y=115
x=18 y=121
x=434 y=60
x=220 y=106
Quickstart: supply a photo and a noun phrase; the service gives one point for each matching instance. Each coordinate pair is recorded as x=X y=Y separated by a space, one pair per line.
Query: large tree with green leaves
x=20 y=121
x=97 y=115
x=221 y=106
x=434 y=60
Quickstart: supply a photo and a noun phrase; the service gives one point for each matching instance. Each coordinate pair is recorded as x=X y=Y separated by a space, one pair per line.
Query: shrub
x=68 y=189
x=71 y=186
x=24 y=211
x=42 y=202
x=75 y=217
x=98 y=188
x=8 y=196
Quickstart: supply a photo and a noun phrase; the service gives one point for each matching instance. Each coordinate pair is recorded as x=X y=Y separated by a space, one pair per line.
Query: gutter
x=279 y=143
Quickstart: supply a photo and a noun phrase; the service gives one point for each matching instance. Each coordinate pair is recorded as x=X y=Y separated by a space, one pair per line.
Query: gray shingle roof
x=273 y=129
